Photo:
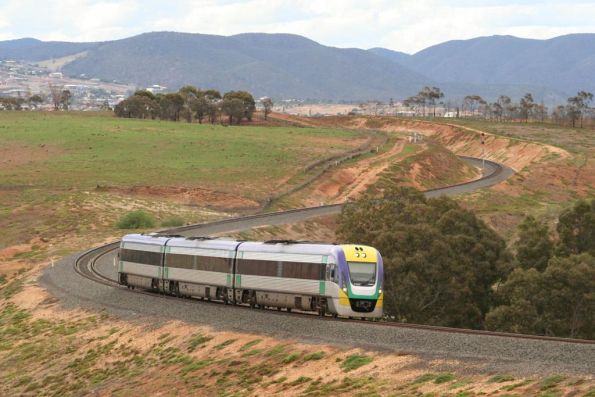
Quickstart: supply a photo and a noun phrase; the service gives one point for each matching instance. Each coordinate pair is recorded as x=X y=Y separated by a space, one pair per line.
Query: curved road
x=482 y=352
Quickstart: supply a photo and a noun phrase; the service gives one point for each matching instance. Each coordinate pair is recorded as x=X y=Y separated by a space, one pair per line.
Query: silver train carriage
x=341 y=280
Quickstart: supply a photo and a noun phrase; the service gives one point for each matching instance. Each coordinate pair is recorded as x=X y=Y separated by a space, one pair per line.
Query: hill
x=278 y=65
x=564 y=64
x=291 y=66
x=34 y=50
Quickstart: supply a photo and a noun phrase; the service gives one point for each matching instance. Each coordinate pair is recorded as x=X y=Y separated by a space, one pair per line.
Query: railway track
x=85 y=263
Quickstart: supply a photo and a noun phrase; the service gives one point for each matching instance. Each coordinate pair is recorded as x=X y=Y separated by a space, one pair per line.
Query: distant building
x=56 y=75
x=156 y=88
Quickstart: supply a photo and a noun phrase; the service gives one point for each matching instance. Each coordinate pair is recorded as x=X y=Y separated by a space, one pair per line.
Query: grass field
x=66 y=178
x=82 y=151
x=575 y=140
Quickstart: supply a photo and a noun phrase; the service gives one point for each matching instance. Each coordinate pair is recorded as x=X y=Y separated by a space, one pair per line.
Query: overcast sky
x=407 y=26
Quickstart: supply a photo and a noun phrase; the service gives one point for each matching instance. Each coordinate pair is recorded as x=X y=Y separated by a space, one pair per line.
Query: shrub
x=138 y=219
x=443 y=378
x=355 y=361
x=172 y=221
x=314 y=356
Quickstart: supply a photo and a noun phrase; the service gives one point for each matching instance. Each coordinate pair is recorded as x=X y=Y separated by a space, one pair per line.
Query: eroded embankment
x=515 y=153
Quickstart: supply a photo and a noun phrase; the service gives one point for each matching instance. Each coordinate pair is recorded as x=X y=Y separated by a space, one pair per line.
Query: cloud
x=401 y=25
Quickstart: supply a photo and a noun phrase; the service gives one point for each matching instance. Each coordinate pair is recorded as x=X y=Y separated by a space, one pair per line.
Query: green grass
x=224 y=344
x=80 y=150
x=443 y=378
x=500 y=378
x=314 y=356
x=424 y=378
x=138 y=219
x=355 y=361
x=571 y=139
x=551 y=381
x=198 y=341
x=172 y=221
x=291 y=357
x=250 y=344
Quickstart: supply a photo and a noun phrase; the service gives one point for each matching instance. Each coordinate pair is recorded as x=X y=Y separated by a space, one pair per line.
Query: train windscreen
x=362 y=273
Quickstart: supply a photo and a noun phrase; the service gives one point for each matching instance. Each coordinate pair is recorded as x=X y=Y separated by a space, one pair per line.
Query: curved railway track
x=85 y=263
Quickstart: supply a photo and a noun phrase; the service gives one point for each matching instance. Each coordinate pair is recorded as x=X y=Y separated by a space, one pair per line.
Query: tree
x=557 y=302
x=35 y=100
x=12 y=103
x=200 y=107
x=473 y=103
x=527 y=105
x=416 y=102
x=504 y=104
x=234 y=108
x=267 y=104
x=432 y=95
x=534 y=247
x=247 y=101
x=577 y=106
x=65 y=99
x=576 y=229
x=212 y=94
x=145 y=93
x=137 y=106
x=171 y=105
x=56 y=95
x=440 y=259
x=189 y=91
x=559 y=114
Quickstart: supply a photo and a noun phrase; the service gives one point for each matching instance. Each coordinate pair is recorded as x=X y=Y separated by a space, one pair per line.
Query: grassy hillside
x=75 y=174
x=76 y=150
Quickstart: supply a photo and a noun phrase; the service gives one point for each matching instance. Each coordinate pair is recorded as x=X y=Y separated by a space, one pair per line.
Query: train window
x=332 y=273
x=206 y=263
x=213 y=264
x=257 y=267
x=308 y=271
x=301 y=270
x=144 y=257
x=179 y=261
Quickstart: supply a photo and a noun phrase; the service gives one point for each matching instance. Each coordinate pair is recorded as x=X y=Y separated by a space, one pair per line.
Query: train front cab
x=358 y=287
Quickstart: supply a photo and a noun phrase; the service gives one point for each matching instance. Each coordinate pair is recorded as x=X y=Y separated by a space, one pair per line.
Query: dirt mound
x=189 y=195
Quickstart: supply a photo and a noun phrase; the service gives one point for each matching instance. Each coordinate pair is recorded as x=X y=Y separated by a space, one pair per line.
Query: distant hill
x=34 y=50
x=278 y=65
x=395 y=56
x=564 y=64
x=291 y=66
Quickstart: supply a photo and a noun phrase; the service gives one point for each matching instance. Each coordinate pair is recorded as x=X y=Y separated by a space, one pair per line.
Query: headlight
x=344 y=289
x=380 y=291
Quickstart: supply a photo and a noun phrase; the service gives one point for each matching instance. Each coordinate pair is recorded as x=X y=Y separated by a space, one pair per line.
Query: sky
x=407 y=26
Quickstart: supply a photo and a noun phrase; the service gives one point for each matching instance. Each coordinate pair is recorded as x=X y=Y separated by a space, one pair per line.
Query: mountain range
x=291 y=66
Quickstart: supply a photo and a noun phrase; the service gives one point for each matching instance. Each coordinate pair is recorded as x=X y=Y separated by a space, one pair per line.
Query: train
x=328 y=279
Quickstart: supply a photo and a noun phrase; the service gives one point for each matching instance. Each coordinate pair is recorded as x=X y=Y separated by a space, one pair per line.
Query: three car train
x=340 y=280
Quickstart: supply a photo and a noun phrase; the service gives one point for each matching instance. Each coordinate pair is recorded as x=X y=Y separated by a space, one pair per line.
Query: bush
x=136 y=220
x=355 y=361
x=172 y=221
x=440 y=260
